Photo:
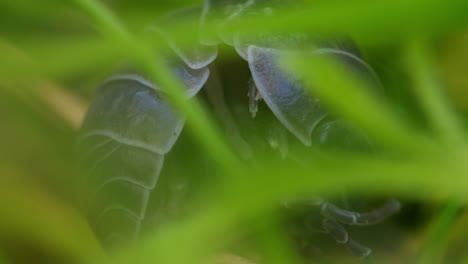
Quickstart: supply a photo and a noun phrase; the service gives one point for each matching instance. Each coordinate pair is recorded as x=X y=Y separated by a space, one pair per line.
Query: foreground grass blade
x=431 y=95
x=439 y=230
x=276 y=246
x=3 y=258
x=369 y=21
x=348 y=97
x=448 y=129
x=440 y=172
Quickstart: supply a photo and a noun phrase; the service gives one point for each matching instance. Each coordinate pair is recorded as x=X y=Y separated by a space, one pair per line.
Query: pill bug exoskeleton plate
x=130 y=126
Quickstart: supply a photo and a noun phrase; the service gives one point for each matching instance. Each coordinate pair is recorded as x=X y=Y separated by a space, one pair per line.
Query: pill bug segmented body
x=130 y=127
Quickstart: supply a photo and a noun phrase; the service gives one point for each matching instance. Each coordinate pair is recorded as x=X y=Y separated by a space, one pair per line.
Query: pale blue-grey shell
x=286 y=96
x=283 y=94
x=192 y=80
x=132 y=112
x=127 y=131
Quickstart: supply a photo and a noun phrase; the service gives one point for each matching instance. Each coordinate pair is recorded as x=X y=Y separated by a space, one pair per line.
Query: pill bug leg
x=339 y=233
x=354 y=218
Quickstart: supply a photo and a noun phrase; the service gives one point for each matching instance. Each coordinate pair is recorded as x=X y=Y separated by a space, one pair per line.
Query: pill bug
x=130 y=127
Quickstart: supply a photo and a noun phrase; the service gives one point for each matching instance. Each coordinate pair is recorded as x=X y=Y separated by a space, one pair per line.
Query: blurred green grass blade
x=414 y=178
x=3 y=257
x=15 y=66
x=36 y=217
x=367 y=20
x=28 y=84
x=59 y=58
x=198 y=236
x=448 y=128
x=106 y=21
x=25 y=7
x=440 y=172
x=48 y=17
x=276 y=246
x=347 y=97
x=197 y=118
x=430 y=93
x=439 y=230
x=66 y=58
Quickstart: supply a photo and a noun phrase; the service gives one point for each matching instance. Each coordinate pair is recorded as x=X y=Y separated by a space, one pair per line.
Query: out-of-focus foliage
x=55 y=53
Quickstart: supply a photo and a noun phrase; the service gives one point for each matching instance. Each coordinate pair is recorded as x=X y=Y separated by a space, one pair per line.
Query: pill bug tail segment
x=127 y=131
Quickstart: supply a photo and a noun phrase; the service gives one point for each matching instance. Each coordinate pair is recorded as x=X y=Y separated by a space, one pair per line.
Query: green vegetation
x=55 y=53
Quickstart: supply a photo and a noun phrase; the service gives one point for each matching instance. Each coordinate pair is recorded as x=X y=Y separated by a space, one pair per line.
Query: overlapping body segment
x=196 y=55
x=287 y=96
x=127 y=131
x=133 y=113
